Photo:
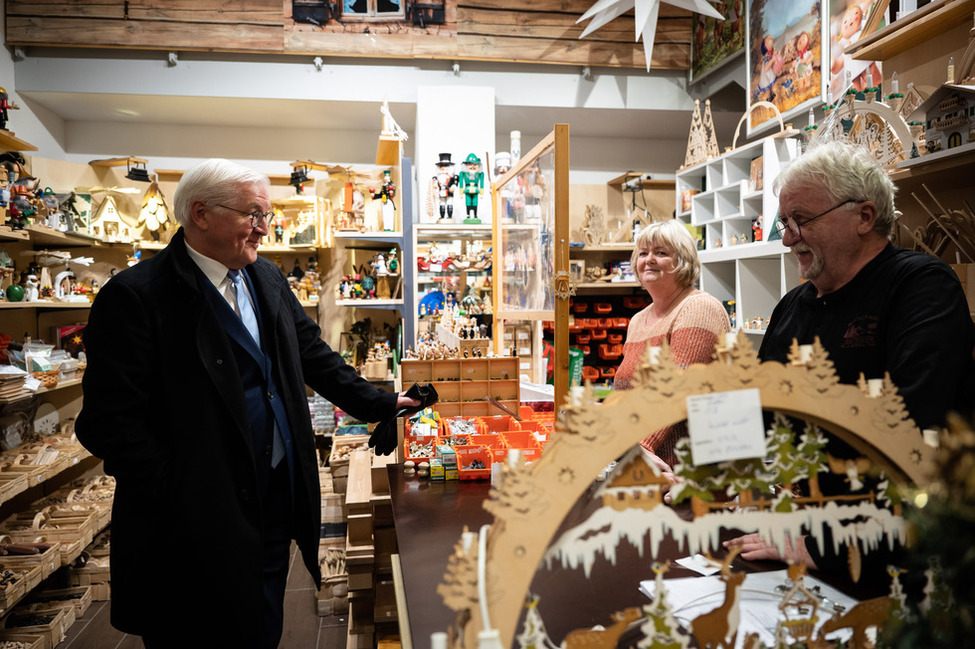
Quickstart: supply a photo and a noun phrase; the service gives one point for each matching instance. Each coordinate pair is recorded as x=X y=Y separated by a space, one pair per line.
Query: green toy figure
x=472 y=185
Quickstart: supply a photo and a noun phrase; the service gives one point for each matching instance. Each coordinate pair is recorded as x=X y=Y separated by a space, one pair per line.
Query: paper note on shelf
x=725 y=426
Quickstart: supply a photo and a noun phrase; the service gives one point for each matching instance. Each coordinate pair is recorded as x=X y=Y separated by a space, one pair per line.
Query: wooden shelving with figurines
x=728 y=204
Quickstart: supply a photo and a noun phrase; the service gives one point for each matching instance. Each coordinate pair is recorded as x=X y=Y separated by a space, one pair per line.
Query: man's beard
x=815 y=267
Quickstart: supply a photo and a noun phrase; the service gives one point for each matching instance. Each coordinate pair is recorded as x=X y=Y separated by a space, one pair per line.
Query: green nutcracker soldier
x=472 y=186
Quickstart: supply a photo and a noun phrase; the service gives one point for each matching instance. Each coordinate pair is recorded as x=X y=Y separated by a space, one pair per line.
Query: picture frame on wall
x=717 y=42
x=787 y=59
x=849 y=21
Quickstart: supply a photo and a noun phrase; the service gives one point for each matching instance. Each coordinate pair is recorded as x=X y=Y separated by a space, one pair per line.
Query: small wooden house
x=949 y=117
x=635 y=483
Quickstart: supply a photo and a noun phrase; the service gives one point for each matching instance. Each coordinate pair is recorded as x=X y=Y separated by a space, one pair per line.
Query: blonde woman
x=690 y=320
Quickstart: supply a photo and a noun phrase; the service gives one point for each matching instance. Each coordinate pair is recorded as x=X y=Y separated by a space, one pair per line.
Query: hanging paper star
x=645 y=19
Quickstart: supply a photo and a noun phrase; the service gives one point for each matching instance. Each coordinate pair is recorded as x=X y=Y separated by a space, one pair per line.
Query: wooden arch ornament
x=533 y=499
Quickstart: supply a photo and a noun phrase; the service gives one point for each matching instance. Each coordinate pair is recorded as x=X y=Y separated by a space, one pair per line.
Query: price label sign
x=725 y=426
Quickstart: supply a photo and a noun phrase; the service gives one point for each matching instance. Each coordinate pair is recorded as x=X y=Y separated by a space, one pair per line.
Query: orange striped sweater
x=691 y=328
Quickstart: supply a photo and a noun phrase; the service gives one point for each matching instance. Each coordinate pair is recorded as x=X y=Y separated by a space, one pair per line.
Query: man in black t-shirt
x=875 y=307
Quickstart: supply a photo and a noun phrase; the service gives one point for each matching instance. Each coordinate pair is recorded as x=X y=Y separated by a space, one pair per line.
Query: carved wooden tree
x=459 y=586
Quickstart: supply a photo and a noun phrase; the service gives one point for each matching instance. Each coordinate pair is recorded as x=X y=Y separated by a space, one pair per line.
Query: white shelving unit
x=754 y=274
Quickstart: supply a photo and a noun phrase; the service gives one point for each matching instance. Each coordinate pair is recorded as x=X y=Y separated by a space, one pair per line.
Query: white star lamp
x=645 y=20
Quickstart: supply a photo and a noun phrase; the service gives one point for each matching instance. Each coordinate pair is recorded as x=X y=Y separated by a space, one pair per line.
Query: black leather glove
x=383 y=438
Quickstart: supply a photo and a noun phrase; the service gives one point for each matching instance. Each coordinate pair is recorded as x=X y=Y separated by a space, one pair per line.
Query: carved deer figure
x=868 y=613
x=603 y=638
x=719 y=628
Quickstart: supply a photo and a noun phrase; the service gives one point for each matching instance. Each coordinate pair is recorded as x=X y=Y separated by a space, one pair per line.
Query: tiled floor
x=303 y=628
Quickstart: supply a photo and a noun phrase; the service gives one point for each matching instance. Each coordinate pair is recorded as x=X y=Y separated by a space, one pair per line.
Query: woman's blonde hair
x=674 y=236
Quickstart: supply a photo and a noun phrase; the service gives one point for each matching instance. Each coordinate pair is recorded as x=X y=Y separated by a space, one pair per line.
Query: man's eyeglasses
x=256 y=217
x=783 y=223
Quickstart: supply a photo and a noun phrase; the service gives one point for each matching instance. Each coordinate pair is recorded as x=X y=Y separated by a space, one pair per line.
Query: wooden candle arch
x=534 y=499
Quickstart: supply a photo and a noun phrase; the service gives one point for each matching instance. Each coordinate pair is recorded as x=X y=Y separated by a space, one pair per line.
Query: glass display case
x=531 y=257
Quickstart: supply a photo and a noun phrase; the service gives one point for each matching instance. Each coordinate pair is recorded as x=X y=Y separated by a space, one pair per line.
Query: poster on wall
x=716 y=42
x=849 y=21
x=785 y=59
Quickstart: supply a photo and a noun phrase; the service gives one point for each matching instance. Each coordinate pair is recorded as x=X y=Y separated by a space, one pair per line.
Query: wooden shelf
x=439 y=231
x=128 y=161
x=45 y=304
x=605 y=285
x=372 y=304
x=394 y=237
x=937 y=162
x=9 y=234
x=173 y=175
x=41 y=234
x=912 y=30
x=29 y=393
x=10 y=142
x=604 y=247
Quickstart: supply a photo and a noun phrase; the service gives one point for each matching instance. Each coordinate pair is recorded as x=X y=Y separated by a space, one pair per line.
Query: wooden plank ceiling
x=541 y=31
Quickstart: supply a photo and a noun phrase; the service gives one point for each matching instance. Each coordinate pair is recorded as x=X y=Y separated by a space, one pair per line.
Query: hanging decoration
x=645 y=20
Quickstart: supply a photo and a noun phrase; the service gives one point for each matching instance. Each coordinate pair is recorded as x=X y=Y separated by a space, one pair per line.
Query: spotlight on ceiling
x=138 y=172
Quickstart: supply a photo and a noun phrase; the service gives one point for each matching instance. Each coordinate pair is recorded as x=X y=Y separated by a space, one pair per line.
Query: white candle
x=894 y=86
x=730 y=338
x=875 y=387
x=805 y=353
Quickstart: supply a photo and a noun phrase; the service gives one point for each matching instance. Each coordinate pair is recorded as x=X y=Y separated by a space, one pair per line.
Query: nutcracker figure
x=442 y=187
x=472 y=186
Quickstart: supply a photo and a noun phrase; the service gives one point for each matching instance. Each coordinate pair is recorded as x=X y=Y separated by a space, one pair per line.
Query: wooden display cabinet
x=531 y=256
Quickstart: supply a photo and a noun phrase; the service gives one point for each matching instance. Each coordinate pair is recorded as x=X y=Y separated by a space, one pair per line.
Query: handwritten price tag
x=725 y=426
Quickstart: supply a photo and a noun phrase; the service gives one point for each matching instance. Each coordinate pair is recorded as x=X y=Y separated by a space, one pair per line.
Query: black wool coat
x=164 y=408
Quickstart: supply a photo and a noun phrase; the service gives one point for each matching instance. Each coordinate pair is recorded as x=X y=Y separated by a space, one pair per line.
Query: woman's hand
x=753 y=546
x=665 y=470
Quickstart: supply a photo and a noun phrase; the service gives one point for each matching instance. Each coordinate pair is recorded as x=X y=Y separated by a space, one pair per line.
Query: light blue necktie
x=249 y=318
x=247 y=315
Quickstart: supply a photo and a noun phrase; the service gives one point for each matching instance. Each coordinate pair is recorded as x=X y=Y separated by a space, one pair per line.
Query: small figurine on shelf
x=296 y=271
x=385 y=194
x=21 y=206
x=392 y=263
x=368 y=287
x=442 y=187
x=278 y=227
x=379 y=265
x=5 y=105
x=472 y=186
x=757 y=228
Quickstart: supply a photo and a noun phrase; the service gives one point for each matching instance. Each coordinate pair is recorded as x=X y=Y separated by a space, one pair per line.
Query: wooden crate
x=47 y=561
x=78 y=597
x=30 y=641
x=51 y=625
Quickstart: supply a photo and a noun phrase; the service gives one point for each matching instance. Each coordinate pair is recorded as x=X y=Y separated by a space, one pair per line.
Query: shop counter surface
x=431 y=515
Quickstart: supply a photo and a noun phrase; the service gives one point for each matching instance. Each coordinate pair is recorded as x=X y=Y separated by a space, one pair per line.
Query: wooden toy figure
x=5 y=105
x=386 y=192
x=442 y=187
x=472 y=186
